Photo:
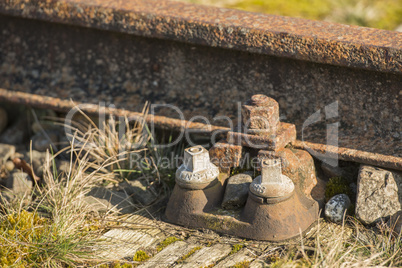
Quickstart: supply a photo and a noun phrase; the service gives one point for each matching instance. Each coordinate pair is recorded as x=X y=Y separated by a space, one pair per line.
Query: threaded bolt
x=272 y=183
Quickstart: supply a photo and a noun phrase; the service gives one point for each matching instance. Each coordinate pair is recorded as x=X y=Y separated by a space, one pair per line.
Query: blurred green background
x=383 y=14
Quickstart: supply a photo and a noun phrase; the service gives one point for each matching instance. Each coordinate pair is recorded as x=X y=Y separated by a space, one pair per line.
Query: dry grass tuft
x=349 y=245
x=58 y=228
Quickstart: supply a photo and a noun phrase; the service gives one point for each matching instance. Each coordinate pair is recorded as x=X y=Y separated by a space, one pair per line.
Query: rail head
x=315 y=41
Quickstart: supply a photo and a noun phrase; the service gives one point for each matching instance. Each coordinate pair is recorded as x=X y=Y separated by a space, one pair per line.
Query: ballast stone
x=379 y=193
x=19 y=183
x=236 y=192
x=336 y=207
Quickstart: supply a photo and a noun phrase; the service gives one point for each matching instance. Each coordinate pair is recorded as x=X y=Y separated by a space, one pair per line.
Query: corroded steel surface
x=92 y=66
x=57 y=104
x=261 y=127
x=285 y=134
x=260 y=115
x=232 y=153
x=316 y=41
x=352 y=155
x=277 y=208
x=296 y=164
x=260 y=219
x=226 y=155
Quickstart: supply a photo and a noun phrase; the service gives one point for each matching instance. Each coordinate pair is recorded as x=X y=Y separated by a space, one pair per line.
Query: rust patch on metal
x=285 y=134
x=346 y=154
x=278 y=206
x=260 y=115
x=352 y=155
x=316 y=41
x=225 y=155
x=260 y=220
x=57 y=104
x=260 y=127
x=297 y=165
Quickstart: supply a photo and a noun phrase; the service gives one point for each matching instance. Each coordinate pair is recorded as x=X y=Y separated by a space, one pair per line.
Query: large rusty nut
x=297 y=165
x=261 y=113
x=272 y=183
x=226 y=155
x=197 y=171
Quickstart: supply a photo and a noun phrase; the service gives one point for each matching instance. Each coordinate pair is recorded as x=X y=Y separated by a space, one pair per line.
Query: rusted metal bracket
x=260 y=219
x=279 y=205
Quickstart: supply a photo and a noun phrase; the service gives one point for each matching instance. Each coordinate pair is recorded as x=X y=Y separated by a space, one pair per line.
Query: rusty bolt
x=261 y=113
x=272 y=183
x=197 y=171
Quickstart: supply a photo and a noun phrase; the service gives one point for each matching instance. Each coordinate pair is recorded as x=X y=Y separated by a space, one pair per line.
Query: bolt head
x=261 y=112
x=272 y=190
x=271 y=170
x=259 y=100
x=197 y=171
x=196 y=158
x=272 y=183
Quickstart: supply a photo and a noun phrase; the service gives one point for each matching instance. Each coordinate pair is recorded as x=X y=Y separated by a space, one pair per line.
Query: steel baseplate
x=271 y=213
x=279 y=205
x=260 y=219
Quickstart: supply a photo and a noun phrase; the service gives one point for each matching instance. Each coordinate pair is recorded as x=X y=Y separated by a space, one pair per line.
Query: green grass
x=54 y=227
x=30 y=240
x=383 y=14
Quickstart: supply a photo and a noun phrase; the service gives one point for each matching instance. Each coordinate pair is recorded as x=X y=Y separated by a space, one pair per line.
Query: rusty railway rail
x=204 y=60
x=163 y=122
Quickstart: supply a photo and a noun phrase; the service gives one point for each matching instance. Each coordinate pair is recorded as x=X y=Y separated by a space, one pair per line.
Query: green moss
x=351 y=210
x=238 y=170
x=236 y=248
x=191 y=252
x=289 y=262
x=243 y=264
x=140 y=256
x=218 y=223
x=337 y=185
x=28 y=228
x=169 y=240
x=29 y=240
x=120 y=265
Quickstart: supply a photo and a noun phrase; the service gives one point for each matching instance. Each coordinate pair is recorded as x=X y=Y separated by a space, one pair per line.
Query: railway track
x=206 y=60
x=114 y=56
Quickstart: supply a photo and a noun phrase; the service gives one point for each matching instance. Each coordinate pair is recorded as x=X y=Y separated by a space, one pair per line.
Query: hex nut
x=272 y=183
x=197 y=171
x=261 y=113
